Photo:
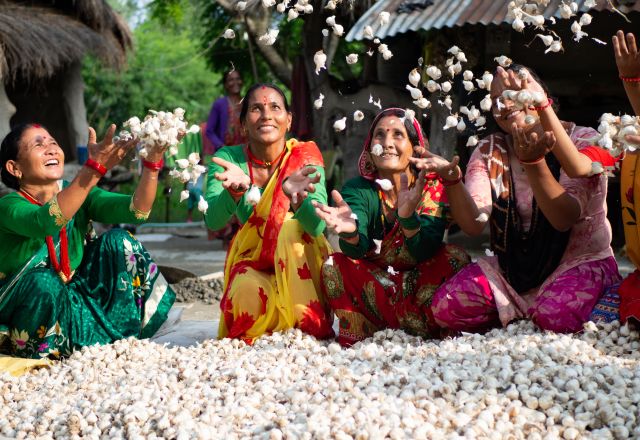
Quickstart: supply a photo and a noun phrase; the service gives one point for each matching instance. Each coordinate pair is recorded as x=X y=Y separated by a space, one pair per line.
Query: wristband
x=630 y=78
x=446 y=183
x=353 y=234
x=153 y=166
x=409 y=223
x=542 y=107
x=532 y=162
x=347 y=235
x=96 y=166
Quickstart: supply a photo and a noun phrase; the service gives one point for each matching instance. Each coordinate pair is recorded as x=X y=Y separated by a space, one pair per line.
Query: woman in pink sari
x=549 y=232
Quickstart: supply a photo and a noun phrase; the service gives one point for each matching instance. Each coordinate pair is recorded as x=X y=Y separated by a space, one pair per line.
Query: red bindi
x=37 y=126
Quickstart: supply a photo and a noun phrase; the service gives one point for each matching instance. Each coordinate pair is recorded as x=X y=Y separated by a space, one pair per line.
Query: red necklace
x=262 y=163
x=63 y=268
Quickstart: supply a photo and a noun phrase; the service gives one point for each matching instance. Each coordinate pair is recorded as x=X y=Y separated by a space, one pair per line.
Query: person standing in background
x=224 y=128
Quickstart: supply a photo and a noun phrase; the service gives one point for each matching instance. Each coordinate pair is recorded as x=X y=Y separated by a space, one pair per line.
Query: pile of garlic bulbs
x=516 y=382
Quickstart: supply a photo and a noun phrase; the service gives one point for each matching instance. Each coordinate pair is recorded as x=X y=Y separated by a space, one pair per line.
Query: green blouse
x=24 y=226
x=362 y=197
x=222 y=206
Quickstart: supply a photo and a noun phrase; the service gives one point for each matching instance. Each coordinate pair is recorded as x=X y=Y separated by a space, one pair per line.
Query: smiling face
x=267 y=119
x=233 y=83
x=40 y=159
x=504 y=110
x=397 y=148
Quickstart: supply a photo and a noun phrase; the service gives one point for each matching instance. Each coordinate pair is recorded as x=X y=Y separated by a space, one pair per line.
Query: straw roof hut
x=42 y=44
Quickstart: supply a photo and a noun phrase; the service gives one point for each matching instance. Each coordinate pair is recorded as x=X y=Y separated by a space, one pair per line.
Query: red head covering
x=365 y=163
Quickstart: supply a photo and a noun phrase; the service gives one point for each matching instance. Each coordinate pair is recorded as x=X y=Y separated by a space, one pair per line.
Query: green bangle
x=409 y=223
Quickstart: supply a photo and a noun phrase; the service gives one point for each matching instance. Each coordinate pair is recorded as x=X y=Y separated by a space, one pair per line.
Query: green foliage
x=167 y=70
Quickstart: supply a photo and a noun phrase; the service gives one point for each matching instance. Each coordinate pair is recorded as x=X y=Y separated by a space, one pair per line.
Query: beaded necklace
x=63 y=267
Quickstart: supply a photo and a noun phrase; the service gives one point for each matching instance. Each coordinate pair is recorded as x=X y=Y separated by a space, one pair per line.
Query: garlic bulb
x=352 y=58
x=483 y=217
x=383 y=17
x=467 y=75
x=415 y=92
x=503 y=61
x=485 y=104
x=368 y=32
x=320 y=59
x=546 y=39
x=376 y=149
x=253 y=195
x=385 y=184
x=446 y=86
x=450 y=122
x=358 y=116
x=269 y=38
x=203 y=205
x=318 y=102
x=340 y=124
x=472 y=141
x=422 y=103
x=434 y=72
x=414 y=77
x=229 y=34
x=432 y=86
x=184 y=195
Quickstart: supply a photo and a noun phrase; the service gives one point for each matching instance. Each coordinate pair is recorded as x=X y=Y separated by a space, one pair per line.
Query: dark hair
x=245 y=101
x=518 y=67
x=412 y=133
x=9 y=151
x=226 y=74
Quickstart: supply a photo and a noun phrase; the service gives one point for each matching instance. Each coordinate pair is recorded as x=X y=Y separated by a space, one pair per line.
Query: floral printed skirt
x=256 y=302
x=367 y=297
x=116 y=292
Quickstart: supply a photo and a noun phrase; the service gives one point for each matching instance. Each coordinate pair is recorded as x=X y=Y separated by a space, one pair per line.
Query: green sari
x=116 y=291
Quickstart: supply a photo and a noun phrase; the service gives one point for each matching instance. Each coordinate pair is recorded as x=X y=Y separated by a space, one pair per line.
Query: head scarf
x=366 y=166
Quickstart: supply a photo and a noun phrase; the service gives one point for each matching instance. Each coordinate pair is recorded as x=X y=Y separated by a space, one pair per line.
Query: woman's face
x=233 y=83
x=40 y=158
x=397 y=148
x=267 y=120
x=504 y=110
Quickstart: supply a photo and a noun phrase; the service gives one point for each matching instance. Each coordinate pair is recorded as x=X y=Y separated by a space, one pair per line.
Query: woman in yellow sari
x=272 y=271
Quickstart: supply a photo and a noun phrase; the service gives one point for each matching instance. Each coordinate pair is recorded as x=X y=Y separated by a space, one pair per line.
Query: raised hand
x=339 y=218
x=408 y=198
x=106 y=152
x=530 y=147
x=299 y=184
x=626 y=53
x=432 y=163
x=232 y=177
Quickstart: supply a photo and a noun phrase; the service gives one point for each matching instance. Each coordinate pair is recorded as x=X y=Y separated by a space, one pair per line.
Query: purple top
x=217 y=123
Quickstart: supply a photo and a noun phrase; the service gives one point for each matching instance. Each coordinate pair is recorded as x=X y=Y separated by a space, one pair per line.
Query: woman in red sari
x=391 y=235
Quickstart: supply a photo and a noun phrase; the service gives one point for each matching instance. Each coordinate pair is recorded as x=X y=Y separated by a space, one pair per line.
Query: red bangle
x=532 y=162
x=235 y=194
x=96 y=166
x=153 y=166
x=542 y=107
x=632 y=79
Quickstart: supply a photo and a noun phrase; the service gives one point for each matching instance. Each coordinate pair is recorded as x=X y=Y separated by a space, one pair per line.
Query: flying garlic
x=320 y=59
x=203 y=205
x=340 y=124
x=446 y=86
x=352 y=58
x=578 y=34
x=384 y=18
x=409 y=114
x=422 y=103
x=376 y=150
x=385 y=184
x=433 y=86
x=483 y=217
x=318 y=102
x=468 y=86
x=467 y=75
x=241 y=6
x=358 y=116
x=450 y=122
x=529 y=120
x=331 y=20
x=269 y=38
x=292 y=14
x=392 y=271
x=229 y=34
x=489 y=253
x=556 y=46
x=487 y=79
x=184 y=195
x=338 y=30
x=472 y=142
x=434 y=72
x=378 y=245
x=414 y=77
x=485 y=104
x=415 y=92
x=503 y=61
x=585 y=19
x=281 y=7
x=461 y=125
x=268 y=3
x=368 y=32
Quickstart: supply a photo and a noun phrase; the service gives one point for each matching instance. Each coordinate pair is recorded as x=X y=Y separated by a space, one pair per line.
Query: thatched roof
x=37 y=38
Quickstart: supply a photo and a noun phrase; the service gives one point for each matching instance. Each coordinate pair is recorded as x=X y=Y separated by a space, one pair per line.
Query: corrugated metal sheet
x=445 y=13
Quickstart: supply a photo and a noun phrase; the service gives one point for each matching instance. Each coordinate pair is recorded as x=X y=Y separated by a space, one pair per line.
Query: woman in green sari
x=60 y=287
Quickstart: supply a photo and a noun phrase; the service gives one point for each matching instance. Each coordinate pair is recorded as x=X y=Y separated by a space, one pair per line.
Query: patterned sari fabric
x=116 y=292
x=272 y=271
x=480 y=296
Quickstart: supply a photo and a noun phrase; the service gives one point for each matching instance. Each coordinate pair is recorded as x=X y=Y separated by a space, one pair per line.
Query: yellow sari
x=272 y=271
